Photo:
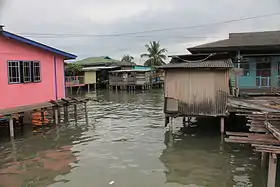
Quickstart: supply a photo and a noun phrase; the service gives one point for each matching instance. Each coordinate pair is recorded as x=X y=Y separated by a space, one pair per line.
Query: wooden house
x=31 y=72
x=130 y=79
x=257 y=53
x=196 y=85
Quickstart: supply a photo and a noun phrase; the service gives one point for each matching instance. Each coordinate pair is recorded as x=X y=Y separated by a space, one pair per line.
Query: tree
x=73 y=69
x=155 y=55
x=127 y=58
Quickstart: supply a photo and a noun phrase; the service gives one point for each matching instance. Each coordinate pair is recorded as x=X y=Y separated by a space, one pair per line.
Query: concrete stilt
x=222 y=124
x=94 y=87
x=271 y=180
x=88 y=88
x=11 y=126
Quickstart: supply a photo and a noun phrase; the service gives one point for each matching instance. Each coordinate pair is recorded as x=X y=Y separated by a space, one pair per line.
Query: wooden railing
x=72 y=81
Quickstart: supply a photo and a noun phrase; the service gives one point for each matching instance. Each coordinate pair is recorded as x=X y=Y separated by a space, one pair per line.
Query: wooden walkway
x=55 y=106
x=263 y=116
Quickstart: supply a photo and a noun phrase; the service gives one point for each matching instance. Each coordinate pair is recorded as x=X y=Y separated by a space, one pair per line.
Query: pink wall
x=13 y=95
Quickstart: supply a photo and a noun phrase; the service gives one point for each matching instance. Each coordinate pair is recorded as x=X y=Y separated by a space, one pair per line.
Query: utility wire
x=155 y=30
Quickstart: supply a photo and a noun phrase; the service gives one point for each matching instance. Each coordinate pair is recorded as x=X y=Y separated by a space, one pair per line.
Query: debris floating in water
x=112 y=182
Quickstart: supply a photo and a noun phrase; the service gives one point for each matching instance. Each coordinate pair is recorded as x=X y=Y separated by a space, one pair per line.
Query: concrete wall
x=13 y=95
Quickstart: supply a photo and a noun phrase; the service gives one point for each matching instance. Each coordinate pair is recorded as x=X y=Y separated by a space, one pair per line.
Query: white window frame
x=30 y=72
x=18 y=70
x=40 y=73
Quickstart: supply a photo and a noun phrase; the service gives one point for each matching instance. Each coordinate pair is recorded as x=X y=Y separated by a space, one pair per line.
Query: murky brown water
x=124 y=144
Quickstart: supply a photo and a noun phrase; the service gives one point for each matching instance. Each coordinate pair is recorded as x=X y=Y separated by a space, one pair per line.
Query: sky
x=72 y=25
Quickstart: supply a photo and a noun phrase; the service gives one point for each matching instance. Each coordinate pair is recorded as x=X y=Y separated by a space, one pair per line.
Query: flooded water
x=124 y=144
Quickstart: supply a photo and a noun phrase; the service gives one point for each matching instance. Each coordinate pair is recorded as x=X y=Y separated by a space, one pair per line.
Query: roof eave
x=67 y=56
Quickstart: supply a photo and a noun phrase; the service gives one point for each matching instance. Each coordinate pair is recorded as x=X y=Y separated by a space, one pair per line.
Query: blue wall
x=142 y=67
x=249 y=81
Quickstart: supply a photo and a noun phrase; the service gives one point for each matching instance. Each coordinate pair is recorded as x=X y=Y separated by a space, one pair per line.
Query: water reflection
x=204 y=160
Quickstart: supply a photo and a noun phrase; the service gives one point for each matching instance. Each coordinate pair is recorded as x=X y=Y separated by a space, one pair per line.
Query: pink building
x=30 y=72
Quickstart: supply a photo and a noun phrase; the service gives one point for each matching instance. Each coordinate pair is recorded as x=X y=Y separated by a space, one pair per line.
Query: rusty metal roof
x=210 y=61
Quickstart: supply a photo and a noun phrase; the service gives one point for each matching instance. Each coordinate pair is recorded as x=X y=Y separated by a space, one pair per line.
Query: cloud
x=89 y=17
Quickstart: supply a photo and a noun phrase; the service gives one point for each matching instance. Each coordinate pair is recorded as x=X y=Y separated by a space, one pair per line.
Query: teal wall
x=142 y=67
x=250 y=80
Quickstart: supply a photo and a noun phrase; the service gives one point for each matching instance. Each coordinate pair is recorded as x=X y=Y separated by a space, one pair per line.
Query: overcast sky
x=91 y=17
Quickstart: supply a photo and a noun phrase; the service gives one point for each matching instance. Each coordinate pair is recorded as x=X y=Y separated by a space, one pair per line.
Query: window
x=36 y=72
x=246 y=68
x=27 y=72
x=14 y=72
x=24 y=71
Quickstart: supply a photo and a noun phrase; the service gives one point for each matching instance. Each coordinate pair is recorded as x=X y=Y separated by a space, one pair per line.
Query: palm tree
x=155 y=55
x=127 y=58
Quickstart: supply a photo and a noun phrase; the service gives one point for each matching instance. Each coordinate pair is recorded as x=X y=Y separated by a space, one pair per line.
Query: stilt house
x=197 y=85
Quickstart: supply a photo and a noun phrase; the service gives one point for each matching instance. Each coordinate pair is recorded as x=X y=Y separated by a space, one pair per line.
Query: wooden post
x=271 y=180
x=11 y=126
x=66 y=113
x=42 y=116
x=88 y=88
x=222 y=125
x=263 y=160
x=56 y=116
x=166 y=121
x=75 y=113
x=94 y=87
x=86 y=114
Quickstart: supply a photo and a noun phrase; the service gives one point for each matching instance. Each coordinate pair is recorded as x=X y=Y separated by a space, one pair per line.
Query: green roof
x=103 y=60
x=96 y=61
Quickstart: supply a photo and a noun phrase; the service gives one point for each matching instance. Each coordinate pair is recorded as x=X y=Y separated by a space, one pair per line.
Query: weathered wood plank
x=251 y=135
x=275 y=131
x=265 y=141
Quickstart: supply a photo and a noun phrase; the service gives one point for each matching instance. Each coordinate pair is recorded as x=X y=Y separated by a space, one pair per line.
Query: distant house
x=31 y=72
x=257 y=53
x=96 y=71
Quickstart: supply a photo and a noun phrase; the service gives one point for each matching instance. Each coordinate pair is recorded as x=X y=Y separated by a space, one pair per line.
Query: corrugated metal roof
x=225 y=63
x=249 y=39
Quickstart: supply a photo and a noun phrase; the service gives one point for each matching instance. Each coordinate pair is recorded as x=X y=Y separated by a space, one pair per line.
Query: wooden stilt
x=166 y=121
x=75 y=113
x=56 y=116
x=94 y=87
x=271 y=180
x=11 y=126
x=88 y=87
x=42 y=116
x=86 y=113
x=65 y=114
x=222 y=125
x=263 y=159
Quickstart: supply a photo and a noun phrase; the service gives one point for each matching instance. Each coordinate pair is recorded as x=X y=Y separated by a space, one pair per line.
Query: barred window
x=14 y=72
x=24 y=71
x=36 y=71
x=27 y=66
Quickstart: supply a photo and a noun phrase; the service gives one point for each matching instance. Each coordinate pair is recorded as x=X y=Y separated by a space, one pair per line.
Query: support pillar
x=264 y=160
x=11 y=126
x=86 y=113
x=43 y=116
x=75 y=113
x=56 y=116
x=65 y=114
x=94 y=87
x=166 y=121
x=88 y=87
x=222 y=124
x=271 y=180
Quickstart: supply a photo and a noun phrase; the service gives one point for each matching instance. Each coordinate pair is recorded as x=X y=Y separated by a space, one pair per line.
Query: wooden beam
x=254 y=141
x=244 y=134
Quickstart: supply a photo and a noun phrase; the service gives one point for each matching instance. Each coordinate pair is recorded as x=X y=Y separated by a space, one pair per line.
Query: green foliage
x=156 y=54
x=127 y=58
x=73 y=69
